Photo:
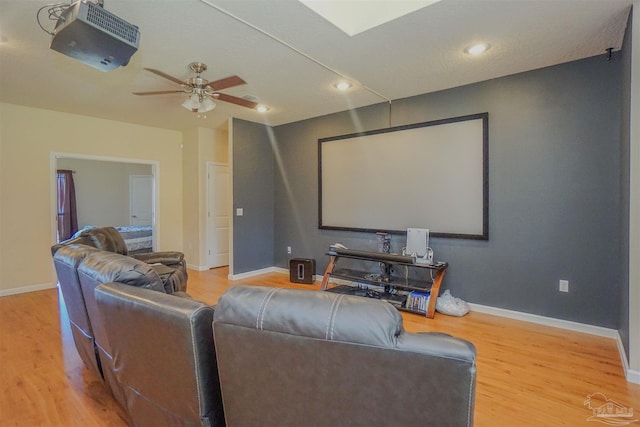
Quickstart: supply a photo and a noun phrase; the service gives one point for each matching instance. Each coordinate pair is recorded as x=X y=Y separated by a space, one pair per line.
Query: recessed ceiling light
x=477 y=48
x=262 y=108
x=342 y=85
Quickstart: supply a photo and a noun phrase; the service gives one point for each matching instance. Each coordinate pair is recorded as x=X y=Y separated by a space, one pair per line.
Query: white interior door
x=140 y=200
x=218 y=209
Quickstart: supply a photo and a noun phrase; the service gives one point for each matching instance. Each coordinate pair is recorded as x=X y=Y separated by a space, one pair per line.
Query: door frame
x=207 y=230
x=53 y=166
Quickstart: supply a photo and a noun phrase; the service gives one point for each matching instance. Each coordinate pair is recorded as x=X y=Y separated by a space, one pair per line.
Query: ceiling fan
x=201 y=91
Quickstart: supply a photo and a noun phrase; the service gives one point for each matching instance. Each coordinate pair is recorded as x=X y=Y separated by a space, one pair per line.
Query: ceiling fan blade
x=235 y=100
x=165 y=75
x=227 y=82
x=158 y=92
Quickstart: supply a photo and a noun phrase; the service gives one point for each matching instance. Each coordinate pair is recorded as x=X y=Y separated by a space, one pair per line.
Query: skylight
x=356 y=16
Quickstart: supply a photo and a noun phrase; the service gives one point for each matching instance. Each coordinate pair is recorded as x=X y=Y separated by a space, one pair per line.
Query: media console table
x=394 y=286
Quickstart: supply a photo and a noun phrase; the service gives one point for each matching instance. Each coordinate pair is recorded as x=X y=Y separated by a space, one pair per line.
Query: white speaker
x=417 y=242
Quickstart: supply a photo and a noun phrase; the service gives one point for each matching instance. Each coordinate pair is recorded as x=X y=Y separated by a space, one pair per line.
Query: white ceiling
x=417 y=53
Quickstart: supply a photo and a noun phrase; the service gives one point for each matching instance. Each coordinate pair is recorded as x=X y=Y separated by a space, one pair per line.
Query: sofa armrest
x=166 y=258
x=439 y=345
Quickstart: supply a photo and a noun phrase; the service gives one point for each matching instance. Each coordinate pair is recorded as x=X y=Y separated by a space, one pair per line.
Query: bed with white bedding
x=139 y=239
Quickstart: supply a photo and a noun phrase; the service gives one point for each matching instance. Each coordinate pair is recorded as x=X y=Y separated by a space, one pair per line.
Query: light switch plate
x=239 y=211
x=564 y=286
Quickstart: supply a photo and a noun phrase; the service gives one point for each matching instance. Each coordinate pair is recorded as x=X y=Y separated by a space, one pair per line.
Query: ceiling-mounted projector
x=90 y=34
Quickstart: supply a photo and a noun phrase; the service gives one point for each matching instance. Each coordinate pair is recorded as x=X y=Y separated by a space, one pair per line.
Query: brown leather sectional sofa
x=170 y=265
x=261 y=357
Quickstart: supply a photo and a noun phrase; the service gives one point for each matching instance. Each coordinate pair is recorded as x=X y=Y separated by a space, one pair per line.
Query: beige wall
x=28 y=137
x=200 y=146
x=102 y=189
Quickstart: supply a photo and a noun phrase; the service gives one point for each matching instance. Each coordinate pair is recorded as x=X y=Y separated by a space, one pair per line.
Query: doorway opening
x=109 y=194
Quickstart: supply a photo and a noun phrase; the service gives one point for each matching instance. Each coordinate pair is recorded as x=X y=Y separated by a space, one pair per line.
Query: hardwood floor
x=528 y=375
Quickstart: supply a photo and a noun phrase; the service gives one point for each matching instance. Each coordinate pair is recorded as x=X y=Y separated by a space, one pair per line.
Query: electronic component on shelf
x=418 y=245
x=372 y=255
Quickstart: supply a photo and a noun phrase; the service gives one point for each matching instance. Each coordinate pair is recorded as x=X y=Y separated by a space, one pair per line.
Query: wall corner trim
x=631 y=375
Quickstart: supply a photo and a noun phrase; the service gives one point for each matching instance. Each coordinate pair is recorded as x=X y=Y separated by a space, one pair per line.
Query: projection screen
x=426 y=175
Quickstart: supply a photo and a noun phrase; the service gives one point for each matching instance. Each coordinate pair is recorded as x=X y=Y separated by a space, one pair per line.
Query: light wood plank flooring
x=528 y=375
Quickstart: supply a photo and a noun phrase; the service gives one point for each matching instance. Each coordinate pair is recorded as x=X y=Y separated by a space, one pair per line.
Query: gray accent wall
x=625 y=186
x=253 y=181
x=554 y=190
x=558 y=190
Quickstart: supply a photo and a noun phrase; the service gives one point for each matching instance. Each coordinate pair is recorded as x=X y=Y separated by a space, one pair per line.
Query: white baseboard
x=279 y=270
x=252 y=273
x=548 y=321
x=197 y=267
x=631 y=375
x=316 y=277
x=25 y=289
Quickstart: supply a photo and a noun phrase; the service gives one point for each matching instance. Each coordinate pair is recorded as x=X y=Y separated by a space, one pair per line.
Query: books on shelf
x=418 y=301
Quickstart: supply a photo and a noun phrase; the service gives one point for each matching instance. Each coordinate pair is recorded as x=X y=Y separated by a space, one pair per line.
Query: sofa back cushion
x=163 y=355
x=104 y=267
x=66 y=261
x=325 y=316
x=294 y=357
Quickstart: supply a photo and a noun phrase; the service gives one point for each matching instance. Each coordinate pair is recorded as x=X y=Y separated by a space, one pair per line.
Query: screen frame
x=483 y=235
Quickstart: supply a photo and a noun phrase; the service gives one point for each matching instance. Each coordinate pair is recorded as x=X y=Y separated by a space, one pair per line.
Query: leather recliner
x=103 y=267
x=143 y=328
x=170 y=265
x=66 y=261
x=293 y=357
x=81 y=268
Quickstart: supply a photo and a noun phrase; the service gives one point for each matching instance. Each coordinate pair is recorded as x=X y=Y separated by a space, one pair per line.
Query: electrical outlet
x=564 y=286
x=289 y=250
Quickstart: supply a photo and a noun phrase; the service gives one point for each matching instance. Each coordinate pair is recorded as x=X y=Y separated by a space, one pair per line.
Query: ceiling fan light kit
x=201 y=91
x=198 y=104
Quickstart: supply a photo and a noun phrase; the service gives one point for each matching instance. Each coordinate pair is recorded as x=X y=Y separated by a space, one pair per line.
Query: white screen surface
x=429 y=175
